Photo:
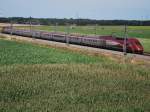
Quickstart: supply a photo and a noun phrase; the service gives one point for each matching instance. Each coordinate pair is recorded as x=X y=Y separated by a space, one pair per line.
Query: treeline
x=54 y=21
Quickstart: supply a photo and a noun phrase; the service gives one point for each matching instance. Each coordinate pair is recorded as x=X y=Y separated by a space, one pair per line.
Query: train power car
x=108 y=42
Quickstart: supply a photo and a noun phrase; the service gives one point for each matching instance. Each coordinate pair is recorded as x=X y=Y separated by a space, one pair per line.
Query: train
x=110 y=42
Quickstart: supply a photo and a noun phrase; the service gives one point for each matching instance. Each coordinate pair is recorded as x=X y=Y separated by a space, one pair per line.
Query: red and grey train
x=107 y=42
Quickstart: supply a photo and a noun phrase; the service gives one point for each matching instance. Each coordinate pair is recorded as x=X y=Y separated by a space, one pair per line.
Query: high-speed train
x=107 y=42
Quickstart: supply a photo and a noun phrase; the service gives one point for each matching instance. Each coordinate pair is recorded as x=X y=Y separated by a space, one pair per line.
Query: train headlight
x=139 y=49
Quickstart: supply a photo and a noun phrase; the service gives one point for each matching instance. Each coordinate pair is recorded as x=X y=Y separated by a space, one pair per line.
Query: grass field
x=35 y=78
x=74 y=88
x=146 y=44
x=141 y=32
x=24 y=53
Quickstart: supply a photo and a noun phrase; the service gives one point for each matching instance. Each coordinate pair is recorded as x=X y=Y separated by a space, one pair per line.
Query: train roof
x=95 y=37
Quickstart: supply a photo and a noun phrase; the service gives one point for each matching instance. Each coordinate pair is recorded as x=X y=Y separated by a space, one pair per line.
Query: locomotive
x=107 y=42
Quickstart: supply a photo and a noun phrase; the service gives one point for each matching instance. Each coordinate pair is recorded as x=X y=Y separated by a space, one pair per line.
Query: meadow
x=26 y=53
x=140 y=32
x=36 y=78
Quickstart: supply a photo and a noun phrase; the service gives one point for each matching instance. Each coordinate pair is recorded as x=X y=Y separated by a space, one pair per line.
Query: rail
x=146 y=54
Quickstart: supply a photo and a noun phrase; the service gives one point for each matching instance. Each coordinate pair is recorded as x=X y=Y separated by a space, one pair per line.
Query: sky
x=91 y=9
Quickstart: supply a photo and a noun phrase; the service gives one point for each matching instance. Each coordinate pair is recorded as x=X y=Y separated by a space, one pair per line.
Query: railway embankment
x=114 y=55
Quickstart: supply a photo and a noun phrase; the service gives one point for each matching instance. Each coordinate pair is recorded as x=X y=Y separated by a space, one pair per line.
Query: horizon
x=83 y=19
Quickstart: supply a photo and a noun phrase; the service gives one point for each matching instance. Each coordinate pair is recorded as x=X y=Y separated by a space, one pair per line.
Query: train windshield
x=138 y=43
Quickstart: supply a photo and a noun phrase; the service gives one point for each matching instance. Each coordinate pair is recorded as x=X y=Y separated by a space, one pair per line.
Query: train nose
x=140 y=49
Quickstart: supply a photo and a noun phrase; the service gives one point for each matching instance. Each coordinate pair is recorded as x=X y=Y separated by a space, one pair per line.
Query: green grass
x=24 y=53
x=35 y=78
x=105 y=87
x=146 y=44
x=140 y=32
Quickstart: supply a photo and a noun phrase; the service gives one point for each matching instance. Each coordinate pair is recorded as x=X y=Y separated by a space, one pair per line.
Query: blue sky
x=93 y=9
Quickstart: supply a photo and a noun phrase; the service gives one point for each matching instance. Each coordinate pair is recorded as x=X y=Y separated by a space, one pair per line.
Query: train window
x=128 y=44
x=119 y=38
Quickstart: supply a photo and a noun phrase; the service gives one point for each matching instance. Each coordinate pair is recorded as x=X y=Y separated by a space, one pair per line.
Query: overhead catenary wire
x=95 y=29
x=30 y=22
x=67 y=33
x=11 y=25
x=125 y=41
x=55 y=29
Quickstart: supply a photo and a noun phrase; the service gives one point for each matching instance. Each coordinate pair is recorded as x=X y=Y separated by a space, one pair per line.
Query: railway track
x=145 y=57
x=146 y=54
